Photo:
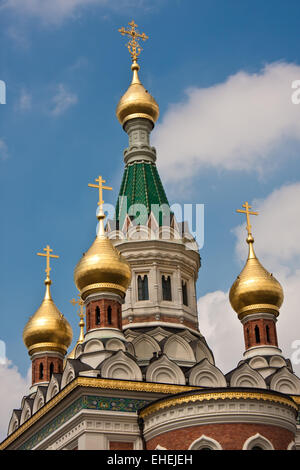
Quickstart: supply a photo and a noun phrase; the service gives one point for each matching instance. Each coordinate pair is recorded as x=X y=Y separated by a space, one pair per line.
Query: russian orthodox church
x=141 y=375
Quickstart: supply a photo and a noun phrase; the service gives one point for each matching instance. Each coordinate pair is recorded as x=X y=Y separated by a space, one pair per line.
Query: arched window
x=257 y=335
x=257 y=442
x=248 y=337
x=109 y=315
x=51 y=369
x=166 y=288
x=205 y=443
x=184 y=293
x=97 y=315
x=268 y=333
x=143 y=292
x=41 y=371
x=119 y=319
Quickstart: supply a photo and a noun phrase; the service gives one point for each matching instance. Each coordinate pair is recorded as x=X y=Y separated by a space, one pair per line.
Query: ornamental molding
x=224 y=395
x=93 y=383
x=227 y=412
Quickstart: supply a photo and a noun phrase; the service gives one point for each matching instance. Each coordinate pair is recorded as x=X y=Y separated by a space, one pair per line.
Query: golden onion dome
x=255 y=289
x=102 y=267
x=137 y=101
x=47 y=329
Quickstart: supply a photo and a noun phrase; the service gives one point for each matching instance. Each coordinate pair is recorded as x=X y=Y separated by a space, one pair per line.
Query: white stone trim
x=161 y=324
x=259 y=316
x=205 y=441
x=171 y=350
x=165 y=371
x=291 y=446
x=262 y=351
x=104 y=333
x=258 y=440
x=219 y=411
x=206 y=374
x=285 y=381
x=247 y=377
x=120 y=366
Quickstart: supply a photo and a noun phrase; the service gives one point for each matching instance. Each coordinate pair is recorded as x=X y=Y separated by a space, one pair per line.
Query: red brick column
x=103 y=313
x=41 y=368
x=260 y=332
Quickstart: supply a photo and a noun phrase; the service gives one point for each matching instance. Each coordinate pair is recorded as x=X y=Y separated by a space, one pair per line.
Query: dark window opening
x=257 y=335
x=41 y=371
x=51 y=369
x=166 y=288
x=109 y=315
x=268 y=333
x=248 y=337
x=97 y=316
x=143 y=291
x=184 y=293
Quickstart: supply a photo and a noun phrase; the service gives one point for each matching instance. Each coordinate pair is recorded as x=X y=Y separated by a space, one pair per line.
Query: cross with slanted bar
x=247 y=212
x=100 y=186
x=48 y=255
x=80 y=303
x=133 y=45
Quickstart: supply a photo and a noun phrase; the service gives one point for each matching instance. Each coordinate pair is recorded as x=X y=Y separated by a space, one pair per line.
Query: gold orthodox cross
x=133 y=45
x=80 y=304
x=247 y=212
x=100 y=187
x=48 y=255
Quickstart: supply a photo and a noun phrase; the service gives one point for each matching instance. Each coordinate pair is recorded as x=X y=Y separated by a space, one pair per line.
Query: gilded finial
x=255 y=290
x=100 y=214
x=80 y=313
x=48 y=255
x=133 y=45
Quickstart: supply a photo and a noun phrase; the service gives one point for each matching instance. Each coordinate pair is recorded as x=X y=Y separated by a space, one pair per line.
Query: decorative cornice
x=296 y=398
x=226 y=395
x=94 y=383
x=258 y=308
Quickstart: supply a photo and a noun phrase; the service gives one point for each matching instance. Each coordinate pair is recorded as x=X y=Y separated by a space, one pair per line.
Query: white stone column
x=92 y=441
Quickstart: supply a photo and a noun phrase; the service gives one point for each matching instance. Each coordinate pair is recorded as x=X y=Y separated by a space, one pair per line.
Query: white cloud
x=3 y=150
x=63 y=100
x=25 y=101
x=56 y=11
x=240 y=124
x=53 y=11
x=13 y=388
x=221 y=328
x=276 y=228
x=276 y=231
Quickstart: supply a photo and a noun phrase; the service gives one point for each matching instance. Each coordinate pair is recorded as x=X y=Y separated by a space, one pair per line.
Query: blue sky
x=65 y=69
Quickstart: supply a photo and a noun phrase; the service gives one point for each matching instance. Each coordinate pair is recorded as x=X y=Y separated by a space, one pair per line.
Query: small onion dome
x=102 y=268
x=137 y=101
x=47 y=329
x=255 y=289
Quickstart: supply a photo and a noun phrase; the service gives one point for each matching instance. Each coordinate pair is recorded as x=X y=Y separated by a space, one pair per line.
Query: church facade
x=142 y=376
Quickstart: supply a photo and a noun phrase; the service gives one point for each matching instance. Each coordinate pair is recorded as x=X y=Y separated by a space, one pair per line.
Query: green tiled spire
x=141 y=184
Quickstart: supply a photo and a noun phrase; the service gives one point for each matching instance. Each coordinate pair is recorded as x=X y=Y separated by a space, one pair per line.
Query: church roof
x=141 y=184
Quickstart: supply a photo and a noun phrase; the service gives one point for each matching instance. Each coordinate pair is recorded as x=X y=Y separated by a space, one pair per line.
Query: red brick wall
x=114 y=445
x=250 y=338
x=46 y=361
x=103 y=304
x=230 y=436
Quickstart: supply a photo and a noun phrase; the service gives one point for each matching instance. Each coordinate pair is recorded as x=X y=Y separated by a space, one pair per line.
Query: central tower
x=160 y=310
